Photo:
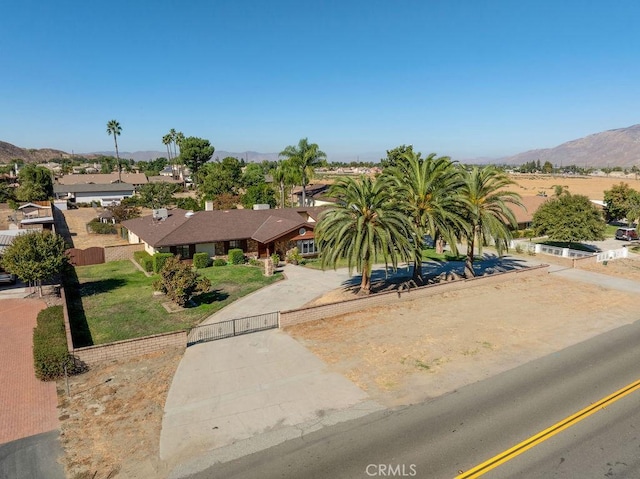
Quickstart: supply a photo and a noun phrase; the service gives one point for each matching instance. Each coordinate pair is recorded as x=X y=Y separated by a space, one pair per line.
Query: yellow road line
x=542 y=436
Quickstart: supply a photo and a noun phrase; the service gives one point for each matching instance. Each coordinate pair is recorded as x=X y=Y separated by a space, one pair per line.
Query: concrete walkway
x=300 y=286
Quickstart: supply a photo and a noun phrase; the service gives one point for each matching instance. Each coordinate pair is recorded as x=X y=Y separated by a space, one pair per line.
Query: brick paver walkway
x=27 y=405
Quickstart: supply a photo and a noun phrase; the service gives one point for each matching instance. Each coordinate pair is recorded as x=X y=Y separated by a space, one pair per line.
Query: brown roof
x=103 y=179
x=530 y=206
x=221 y=225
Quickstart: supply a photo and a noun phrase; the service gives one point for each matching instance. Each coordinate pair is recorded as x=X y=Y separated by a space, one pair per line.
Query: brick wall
x=289 y=318
x=131 y=347
x=117 y=253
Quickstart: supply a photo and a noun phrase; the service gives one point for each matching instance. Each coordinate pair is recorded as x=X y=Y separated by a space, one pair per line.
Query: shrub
x=50 y=353
x=179 y=282
x=144 y=259
x=255 y=262
x=96 y=226
x=275 y=257
x=159 y=259
x=219 y=262
x=236 y=256
x=294 y=256
x=201 y=260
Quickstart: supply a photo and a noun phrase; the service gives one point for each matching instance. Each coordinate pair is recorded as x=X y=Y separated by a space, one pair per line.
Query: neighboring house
x=7 y=236
x=135 y=179
x=258 y=233
x=313 y=193
x=165 y=179
x=524 y=215
x=105 y=194
x=36 y=214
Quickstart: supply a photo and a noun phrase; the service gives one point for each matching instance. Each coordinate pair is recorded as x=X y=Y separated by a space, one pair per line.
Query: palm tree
x=284 y=175
x=487 y=213
x=365 y=225
x=427 y=192
x=166 y=140
x=304 y=158
x=114 y=128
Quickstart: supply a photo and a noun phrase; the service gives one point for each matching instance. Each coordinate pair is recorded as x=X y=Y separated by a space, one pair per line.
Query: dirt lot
x=421 y=349
x=592 y=186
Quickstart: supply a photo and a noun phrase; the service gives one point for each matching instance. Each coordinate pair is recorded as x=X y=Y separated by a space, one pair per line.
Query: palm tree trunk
x=417 y=271
x=468 y=264
x=118 y=159
x=365 y=284
x=281 y=193
x=304 y=196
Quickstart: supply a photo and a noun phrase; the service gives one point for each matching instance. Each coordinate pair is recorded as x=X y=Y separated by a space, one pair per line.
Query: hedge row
x=50 y=353
x=236 y=256
x=201 y=260
x=144 y=259
x=159 y=259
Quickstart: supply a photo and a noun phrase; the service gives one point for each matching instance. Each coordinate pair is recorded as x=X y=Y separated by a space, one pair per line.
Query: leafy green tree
x=6 y=192
x=365 y=226
x=427 y=194
x=189 y=203
x=617 y=201
x=572 y=218
x=487 y=214
x=123 y=212
x=35 y=257
x=259 y=194
x=252 y=175
x=225 y=201
x=633 y=209
x=397 y=154
x=114 y=128
x=304 y=158
x=195 y=152
x=547 y=167
x=157 y=195
x=180 y=282
x=221 y=177
x=35 y=182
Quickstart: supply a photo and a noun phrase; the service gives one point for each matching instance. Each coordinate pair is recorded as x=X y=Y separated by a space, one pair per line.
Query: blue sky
x=459 y=78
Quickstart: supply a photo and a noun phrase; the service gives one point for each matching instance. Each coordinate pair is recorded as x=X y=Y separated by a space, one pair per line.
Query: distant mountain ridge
x=611 y=148
x=9 y=152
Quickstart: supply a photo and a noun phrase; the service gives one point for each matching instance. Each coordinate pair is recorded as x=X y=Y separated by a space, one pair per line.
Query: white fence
x=612 y=254
x=552 y=250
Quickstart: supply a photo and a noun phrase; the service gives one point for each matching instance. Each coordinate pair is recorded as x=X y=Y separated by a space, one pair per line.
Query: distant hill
x=9 y=152
x=619 y=147
x=250 y=156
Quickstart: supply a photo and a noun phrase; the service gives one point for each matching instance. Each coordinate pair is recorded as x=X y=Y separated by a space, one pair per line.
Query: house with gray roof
x=105 y=194
x=258 y=233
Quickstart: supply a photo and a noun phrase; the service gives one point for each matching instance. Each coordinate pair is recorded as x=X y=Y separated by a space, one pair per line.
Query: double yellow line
x=542 y=436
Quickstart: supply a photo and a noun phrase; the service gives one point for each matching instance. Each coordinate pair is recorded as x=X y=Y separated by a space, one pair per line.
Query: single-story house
x=7 y=237
x=258 y=233
x=37 y=213
x=135 y=179
x=313 y=192
x=105 y=194
x=524 y=214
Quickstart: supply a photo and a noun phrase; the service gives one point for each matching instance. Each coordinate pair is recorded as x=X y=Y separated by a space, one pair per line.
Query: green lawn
x=116 y=301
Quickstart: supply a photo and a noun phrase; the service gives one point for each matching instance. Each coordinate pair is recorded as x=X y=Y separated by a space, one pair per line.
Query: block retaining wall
x=118 y=253
x=314 y=313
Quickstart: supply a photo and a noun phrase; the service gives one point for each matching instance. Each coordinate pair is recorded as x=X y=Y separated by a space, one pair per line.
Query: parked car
x=7 y=277
x=626 y=234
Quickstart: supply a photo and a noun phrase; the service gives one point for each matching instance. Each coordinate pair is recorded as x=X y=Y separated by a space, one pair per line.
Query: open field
x=591 y=186
x=117 y=301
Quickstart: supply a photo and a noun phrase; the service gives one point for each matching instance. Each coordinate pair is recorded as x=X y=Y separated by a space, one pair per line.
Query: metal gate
x=234 y=327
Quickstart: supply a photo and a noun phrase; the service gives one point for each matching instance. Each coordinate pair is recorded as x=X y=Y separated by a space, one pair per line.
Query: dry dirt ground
x=592 y=186
x=77 y=223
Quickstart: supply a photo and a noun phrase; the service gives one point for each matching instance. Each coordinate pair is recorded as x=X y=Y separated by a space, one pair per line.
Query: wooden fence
x=85 y=257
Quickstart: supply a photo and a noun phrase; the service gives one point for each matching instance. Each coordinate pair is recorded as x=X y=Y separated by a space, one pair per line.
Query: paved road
x=455 y=432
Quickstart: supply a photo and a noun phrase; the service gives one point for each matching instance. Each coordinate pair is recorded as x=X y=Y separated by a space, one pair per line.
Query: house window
x=307 y=246
x=235 y=244
x=183 y=251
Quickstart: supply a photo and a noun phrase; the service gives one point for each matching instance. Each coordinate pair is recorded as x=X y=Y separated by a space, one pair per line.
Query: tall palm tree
x=427 y=191
x=486 y=211
x=304 y=157
x=166 y=140
x=284 y=175
x=366 y=225
x=114 y=128
x=178 y=138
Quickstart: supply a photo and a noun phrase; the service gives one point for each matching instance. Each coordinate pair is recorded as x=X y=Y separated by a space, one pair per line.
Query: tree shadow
x=101 y=286
x=62 y=228
x=209 y=297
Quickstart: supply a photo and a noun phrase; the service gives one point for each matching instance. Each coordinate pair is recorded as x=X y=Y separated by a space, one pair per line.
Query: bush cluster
x=96 y=226
x=179 y=282
x=219 y=262
x=201 y=260
x=144 y=259
x=159 y=259
x=236 y=256
x=50 y=353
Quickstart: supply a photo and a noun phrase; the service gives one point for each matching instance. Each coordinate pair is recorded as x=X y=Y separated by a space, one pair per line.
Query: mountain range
x=618 y=147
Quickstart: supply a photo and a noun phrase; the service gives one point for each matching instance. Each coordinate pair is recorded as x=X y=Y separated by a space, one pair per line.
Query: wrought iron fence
x=233 y=327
